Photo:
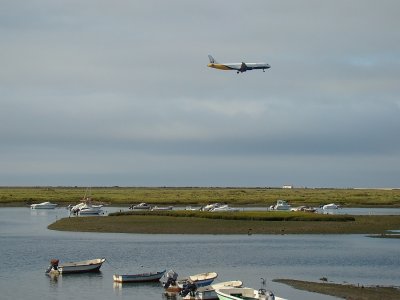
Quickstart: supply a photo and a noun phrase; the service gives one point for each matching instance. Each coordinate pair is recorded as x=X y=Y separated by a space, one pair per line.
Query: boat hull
x=86 y=266
x=145 y=277
x=44 y=205
x=208 y=292
x=242 y=293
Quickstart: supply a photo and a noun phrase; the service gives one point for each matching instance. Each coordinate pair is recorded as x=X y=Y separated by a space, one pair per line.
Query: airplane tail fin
x=212 y=60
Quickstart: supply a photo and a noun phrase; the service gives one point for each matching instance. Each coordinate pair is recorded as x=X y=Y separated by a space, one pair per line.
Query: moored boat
x=245 y=293
x=224 y=207
x=86 y=207
x=142 y=205
x=281 y=205
x=44 y=205
x=92 y=265
x=330 y=206
x=175 y=285
x=143 y=277
x=208 y=292
x=161 y=208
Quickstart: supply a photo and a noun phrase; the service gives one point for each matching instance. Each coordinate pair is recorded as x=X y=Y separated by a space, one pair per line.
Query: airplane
x=238 y=67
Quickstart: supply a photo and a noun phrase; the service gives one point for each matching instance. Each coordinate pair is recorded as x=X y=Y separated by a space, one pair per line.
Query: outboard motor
x=190 y=287
x=267 y=295
x=171 y=276
x=53 y=266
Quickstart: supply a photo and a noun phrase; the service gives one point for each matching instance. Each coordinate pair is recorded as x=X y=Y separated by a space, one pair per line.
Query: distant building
x=287 y=186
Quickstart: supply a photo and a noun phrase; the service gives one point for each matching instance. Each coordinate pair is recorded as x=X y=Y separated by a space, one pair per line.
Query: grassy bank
x=195 y=225
x=345 y=291
x=22 y=196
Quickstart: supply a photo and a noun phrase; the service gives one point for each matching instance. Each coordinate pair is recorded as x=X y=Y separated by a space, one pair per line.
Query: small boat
x=142 y=205
x=281 y=205
x=212 y=206
x=304 y=208
x=144 y=277
x=90 y=210
x=86 y=207
x=161 y=208
x=92 y=265
x=202 y=279
x=190 y=208
x=245 y=293
x=208 y=292
x=330 y=206
x=224 y=207
x=44 y=205
x=174 y=284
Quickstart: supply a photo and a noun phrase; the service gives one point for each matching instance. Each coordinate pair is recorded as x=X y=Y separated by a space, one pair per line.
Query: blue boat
x=144 y=277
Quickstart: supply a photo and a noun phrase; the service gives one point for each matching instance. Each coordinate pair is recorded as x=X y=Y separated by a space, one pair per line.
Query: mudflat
x=345 y=291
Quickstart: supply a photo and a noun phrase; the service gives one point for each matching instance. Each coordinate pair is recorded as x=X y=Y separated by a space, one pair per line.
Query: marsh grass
x=243 y=215
x=189 y=224
x=124 y=196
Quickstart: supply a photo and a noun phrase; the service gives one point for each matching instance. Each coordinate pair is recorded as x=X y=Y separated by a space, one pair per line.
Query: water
x=27 y=247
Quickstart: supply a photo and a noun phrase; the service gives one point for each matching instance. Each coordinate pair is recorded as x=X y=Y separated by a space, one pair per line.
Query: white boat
x=92 y=265
x=190 y=208
x=282 y=205
x=86 y=207
x=142 y=205
x=245 y=293
x=143 y=277
x=224 y=207
x=90 y=210
x=44 y=205
x=175 y=284
x=210 y=207
x=330 y=206
x=162 y=208
x=208 y=292
x=200 y=280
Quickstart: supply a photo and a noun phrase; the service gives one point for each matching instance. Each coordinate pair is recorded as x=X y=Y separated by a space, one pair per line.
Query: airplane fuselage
x=238 y=67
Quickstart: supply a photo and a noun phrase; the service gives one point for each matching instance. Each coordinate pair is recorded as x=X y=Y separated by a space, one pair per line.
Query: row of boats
x=283 y=205
x=85 y=207
x=195 y=287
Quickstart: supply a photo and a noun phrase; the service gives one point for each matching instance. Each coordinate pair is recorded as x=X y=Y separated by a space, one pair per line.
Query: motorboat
x=330 y=206
x=282 y=205
x=142 y=205
x=92 y=265
x=90 y=210
x=143 y=277
x=44 y=205
x=161 y=208
x=224 y=207
x=172 y=283
x=190 y=208
x=245 y=293
x=304 y=208
x=208 y=292
x=86 y=207
x=211 y=206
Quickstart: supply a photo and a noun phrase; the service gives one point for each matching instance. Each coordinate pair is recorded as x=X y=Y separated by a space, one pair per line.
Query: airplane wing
x=243 y=67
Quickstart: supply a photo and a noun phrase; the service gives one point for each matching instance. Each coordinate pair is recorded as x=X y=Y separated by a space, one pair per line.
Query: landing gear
x=238 y=72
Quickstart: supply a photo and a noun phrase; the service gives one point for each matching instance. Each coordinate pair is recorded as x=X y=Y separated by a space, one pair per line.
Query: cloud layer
x=105 y=93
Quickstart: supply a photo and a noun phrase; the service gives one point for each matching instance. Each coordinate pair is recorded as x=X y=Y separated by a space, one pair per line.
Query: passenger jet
x=238 y=67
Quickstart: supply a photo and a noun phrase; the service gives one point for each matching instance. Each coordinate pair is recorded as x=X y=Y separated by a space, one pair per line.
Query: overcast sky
x=104 y=93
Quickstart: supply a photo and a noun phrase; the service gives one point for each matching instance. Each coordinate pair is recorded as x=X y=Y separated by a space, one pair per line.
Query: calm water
x=27 y=246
